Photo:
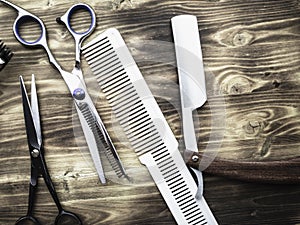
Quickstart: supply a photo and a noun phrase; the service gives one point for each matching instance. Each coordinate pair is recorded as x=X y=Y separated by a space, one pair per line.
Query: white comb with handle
x=145 y=126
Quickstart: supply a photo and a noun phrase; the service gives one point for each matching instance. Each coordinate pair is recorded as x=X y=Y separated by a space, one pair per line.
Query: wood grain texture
x=252 y=59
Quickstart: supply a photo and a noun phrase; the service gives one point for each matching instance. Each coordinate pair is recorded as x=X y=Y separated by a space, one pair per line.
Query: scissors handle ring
x=22 y=219
x=20 y=21
x=64 y=215
x=22 y=17
x=66 y=19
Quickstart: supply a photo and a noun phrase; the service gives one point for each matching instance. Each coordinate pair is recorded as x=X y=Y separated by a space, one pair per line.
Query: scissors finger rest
x=66 y=19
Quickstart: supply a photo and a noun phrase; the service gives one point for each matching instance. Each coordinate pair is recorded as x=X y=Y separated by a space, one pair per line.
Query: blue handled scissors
x=38 y=163
x=94 y=130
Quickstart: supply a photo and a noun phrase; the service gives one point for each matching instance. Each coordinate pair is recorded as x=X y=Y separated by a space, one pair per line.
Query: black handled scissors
x=38 y=163
x=95 y=133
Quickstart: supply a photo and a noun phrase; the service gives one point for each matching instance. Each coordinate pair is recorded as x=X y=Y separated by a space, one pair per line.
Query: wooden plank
x=252 y=115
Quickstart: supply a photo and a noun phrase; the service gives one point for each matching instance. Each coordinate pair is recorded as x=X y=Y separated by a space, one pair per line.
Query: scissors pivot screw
x=35 y=153
x=195 y=158
x=79 y=94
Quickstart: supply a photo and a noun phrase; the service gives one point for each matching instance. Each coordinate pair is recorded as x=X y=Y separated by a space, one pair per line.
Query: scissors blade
x=86 y=121
x=190 y=72
x=35 y=110
x=101 y=138
x=28 y=117
x=109 y=149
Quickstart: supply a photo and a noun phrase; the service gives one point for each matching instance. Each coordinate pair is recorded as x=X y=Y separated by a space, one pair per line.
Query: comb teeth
x=84 y=108
x=142 y=121
x=122 y=96
x=5 y=55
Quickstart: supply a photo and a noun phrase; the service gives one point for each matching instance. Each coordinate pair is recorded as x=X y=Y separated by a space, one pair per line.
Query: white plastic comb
x=145 y=126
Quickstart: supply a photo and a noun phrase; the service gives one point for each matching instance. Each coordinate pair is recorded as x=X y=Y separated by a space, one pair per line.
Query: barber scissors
x=94 y=130
x=38 y=163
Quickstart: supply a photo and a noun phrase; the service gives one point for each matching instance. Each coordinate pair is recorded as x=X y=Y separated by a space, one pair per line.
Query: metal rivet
x=79 y=94
x=35 y=153
x=195 y=158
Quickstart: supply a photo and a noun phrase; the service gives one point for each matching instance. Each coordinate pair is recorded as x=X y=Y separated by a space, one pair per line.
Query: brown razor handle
x=287 y=171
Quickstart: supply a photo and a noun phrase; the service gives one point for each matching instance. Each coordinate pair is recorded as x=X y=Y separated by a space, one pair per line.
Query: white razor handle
x=190 y=73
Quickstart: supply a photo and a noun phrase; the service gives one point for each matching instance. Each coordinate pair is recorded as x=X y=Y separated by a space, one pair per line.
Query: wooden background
x=251 y=52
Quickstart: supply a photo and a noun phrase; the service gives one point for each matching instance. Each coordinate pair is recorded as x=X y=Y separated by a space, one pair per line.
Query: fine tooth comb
x=145 y=126
x=5 y=55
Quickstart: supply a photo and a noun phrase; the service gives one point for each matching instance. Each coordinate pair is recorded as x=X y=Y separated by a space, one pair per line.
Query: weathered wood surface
x=252 y=60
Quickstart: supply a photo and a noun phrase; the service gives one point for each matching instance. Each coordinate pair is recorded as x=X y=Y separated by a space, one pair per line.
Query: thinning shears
x=94 y=130
x=38 y=163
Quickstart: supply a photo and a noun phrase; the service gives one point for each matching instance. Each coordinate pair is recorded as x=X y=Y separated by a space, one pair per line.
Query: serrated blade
x=98 y=141
x=86 y=119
